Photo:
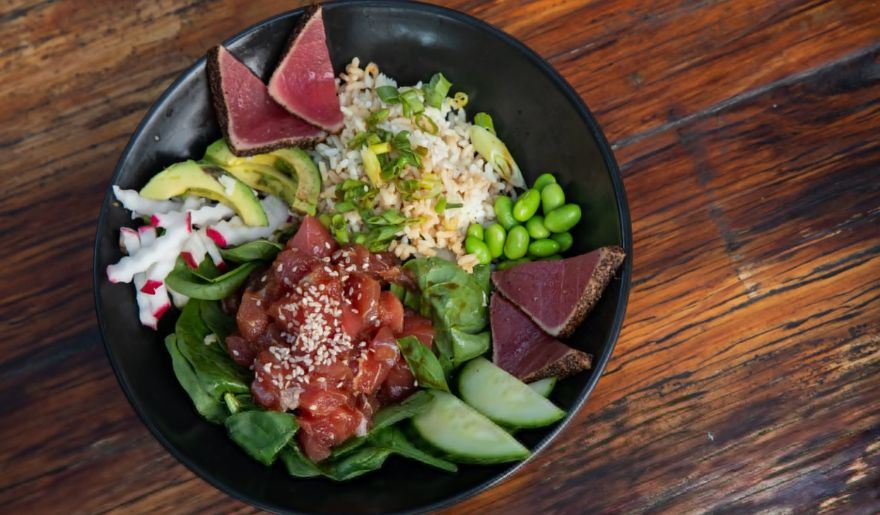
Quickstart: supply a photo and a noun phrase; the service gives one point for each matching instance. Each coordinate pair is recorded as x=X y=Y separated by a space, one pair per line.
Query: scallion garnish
x=485 y=121
x=425 y=123
x=388 y=94
x=412 y=102
x=377 y=116
x=440 y=206
x=436 y=90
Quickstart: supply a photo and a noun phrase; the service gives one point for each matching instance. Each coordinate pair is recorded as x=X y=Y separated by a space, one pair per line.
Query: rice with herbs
x=448 y=160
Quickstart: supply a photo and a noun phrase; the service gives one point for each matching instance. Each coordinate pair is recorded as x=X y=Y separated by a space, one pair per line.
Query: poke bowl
x=395 y=193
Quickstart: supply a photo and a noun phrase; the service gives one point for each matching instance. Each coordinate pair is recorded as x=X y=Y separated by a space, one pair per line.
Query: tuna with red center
x=319 y=328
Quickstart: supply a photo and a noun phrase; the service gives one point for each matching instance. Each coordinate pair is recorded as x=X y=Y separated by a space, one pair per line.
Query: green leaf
x=410 y=407
x=364 y=459
x=183 y=281
x=394 y=440
x=216 y=372
x=205 y=404
x=217 y=321
x=423 y=363
x=485 y=121
x=259 y=250
x=466 y=346
x=262 y=434
x=296 y=463
x=436 y=90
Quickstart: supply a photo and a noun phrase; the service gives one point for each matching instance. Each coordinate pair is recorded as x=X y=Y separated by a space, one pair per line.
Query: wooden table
x=747 y=377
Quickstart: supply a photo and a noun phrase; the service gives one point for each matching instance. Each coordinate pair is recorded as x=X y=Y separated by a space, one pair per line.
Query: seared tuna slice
x=251 y=121
x=522 y=349
x=557 y=295
x=304 y=82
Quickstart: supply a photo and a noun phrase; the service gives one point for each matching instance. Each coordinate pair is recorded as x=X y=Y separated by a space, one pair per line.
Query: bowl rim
x=622 y=211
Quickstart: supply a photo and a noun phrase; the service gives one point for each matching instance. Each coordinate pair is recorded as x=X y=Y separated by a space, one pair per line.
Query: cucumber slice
x=504 y=398
x=543 y=387
x=463 y=434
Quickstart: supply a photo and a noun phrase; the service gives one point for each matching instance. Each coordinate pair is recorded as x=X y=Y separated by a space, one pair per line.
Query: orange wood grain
x=747 y=377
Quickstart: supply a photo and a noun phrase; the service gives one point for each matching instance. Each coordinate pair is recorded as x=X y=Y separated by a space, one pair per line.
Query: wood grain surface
x=747 y=376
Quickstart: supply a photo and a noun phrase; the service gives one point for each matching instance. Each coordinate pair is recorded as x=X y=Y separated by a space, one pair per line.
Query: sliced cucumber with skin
x=504 y=398
x=543 y=387
x=465 y=435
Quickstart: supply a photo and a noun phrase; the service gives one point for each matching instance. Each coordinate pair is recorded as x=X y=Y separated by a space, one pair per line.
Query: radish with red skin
x=178 y=299
x=140 y=206
x=129 y=241
x=147 y=235
x=150 y=286
x=235 y=231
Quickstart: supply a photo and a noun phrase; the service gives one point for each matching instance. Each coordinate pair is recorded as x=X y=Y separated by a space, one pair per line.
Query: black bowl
x=539 y=116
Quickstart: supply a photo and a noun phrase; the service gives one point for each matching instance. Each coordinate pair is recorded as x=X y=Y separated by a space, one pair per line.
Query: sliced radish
x=140 y=206
x=147 y=235
x=150 y=286
x=211 y=214
x=145 y=309
x=164 y=247
x=235 y=231
x=212 y=250
x=179 y=299
x=129 y=241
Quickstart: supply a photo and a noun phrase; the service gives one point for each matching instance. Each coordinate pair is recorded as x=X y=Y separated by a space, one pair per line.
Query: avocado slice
x=210 y=182
x=295 y=160
x=259 y=172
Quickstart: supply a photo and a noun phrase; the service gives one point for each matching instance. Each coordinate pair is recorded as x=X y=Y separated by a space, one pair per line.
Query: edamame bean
x=495 y=235
x=479 y=249
x=475 y=230
x=517 y=243
x=504 y=265
x=552 y=197
x=543 y=248
x=543 y=180
x=504 y=211
x=527 y=205
x=563 y=218
x=564 y=240
x=536 y=228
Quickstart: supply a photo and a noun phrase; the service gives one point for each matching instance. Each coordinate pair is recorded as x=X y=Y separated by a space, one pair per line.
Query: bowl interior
x=540 y=119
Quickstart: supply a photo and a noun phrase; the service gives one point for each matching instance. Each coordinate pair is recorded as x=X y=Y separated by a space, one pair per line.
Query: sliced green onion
x=495 y=152
x=388 y=94
x=372 y=167
x=459 y=100
x=345 y=206
x=485 y=121
x=412 y=101
x=377 y=116
x=436 y=90
x=358 y=140
x=440 y=206
x=381 y=148
x=425 y=123
x=454 y=205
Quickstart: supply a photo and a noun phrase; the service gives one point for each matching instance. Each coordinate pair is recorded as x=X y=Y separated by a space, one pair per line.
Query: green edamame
x=517 y=243
x=564 y=239
x=504 y=211
x=543 y=248
x=527 y=205
x=543 y=180
x=552 y=197
x=478 y=248
x=495 y=236
x=504 y=265
x=536 y=228
x=563 y=218
x=475 y=230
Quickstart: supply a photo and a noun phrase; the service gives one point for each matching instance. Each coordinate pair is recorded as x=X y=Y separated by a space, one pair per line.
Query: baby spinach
x=409 y=407
x=184 y=281
x=259 y=250
x=393 y=439
x=296 y=463
x=205 y=404
x=216 y=320
x=425 y=367
x=466 y=346
x=364 y=459
x=262 y=434
x=216 y=371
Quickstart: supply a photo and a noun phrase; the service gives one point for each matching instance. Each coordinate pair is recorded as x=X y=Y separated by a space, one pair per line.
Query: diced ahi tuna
x=557 y=295
x=313 y=239
x=522 y=349
x=304 y=82
x=251 y=121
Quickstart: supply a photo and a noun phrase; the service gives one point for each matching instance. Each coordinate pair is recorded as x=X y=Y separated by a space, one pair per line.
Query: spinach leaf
x=185 y=282
x=296 y=463
x=458 y=305
x=393 y=439
x=466 y=346
x=205 y=404
x=216 y=371
x=217 y=321
x=410 y=407
x=423 y=363
x=262 y=434
x=259 y=250
x=364 y=459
